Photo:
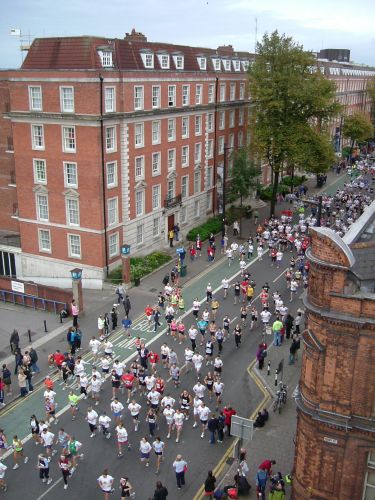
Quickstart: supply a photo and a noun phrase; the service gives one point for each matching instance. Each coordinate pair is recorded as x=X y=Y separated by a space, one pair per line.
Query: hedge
x=140 y=266
x=265 y=193
x=213 y=225
x=297 y=180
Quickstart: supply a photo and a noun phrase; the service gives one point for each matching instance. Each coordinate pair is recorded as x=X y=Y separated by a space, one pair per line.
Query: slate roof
x=81 y=53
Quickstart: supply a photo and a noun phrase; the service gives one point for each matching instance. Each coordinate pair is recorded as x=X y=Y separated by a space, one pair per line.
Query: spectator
x=209 y=485
x=33 y=360
x=180 y=467
x=14 y=341
x=7 y=379
x=22 y=382
x=261 y=418
x=228 y=412
x=161 y=492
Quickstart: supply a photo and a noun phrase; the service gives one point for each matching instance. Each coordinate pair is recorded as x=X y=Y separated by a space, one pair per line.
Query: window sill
x=10 y=151
x=12 y=185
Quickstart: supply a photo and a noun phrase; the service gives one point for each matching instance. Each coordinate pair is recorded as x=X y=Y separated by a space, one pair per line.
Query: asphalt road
x=99 y=453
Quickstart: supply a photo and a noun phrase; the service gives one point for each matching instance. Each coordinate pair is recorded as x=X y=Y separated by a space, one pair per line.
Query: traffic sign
x=242 y=428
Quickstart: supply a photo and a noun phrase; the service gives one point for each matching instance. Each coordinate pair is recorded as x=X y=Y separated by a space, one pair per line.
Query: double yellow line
x=266 y=398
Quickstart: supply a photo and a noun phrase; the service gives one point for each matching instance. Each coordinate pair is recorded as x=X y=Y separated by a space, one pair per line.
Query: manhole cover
x=153 y=290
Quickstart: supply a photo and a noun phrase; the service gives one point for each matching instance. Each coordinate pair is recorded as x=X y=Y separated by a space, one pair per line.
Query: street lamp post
x=76 y=275
x=224 y=195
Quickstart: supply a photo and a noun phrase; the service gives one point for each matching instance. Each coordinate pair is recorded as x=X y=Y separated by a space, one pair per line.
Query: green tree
x=357 y=128
x=244 y=175
x=288 y=94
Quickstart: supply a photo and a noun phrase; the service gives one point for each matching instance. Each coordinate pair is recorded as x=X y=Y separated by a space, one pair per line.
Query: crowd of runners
x=144 y=412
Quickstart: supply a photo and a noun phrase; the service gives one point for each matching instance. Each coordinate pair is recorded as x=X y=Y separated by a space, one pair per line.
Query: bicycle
x=281 y=397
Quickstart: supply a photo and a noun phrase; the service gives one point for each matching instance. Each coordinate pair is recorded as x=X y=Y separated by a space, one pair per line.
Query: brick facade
x=335 y=426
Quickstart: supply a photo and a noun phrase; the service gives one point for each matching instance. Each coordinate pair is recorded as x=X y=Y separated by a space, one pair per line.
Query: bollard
x=276 y=373
x=269 y=367
x=29 y=334
x=61 y=317
x=45 y=326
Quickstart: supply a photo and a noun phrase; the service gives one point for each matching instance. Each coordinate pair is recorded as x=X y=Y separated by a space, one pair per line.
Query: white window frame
x=221 y=120
x=210 y=149
x=164 y=61
x=240 y=139
x=63 y=107
x=141 y=134
x=34 y=145
x=139 y=168
x=196 y=209
x=140 y=233
x=217 y=64
x=185 y=95
x=185 y=156
x=156 y=227
x=106 y=58
x=232 y=91
x=242 y=91
x=139 y=99
x=210 y=122
x=70 y=246
x=210 y=172
x=156 y=131
x=112 y=211
x=202 y=62
x=156 y=196
x=178 y=61
x=156 y=96
x=148 y=60
x=183 y=214
x=209 y=201
x=32 y=106
x=171 y=96
x=40 y=240
x=227 y=65
x=65 y=138
x=108 y=174
x=197 y=152
x=231 y=141
x=232 y=118
x=171 y=189
x=197 y=182
x=109 y=99
x=38 y=197
x=221 y=145
x=139 y=203
x=111 y=146
x=185 y=186
x=198 y=93
x=198 y=124
x=72 y=221
x=241 y=115
x=113 y=244
x=211 y=93
x=155 y=155
x=185 y=127
x=222 y=92
x=171 y=159
x=67 y=174
x=237 y=65
x=171 y=131
x=37 y=178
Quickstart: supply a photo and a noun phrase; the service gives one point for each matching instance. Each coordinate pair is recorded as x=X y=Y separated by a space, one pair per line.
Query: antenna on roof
x=25 y=40
x=256 y=35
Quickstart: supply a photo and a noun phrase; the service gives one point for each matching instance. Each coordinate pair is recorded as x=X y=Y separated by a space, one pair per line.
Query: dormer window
x=148 y=59
x=163 y=61
x=217 y=64
x=227 y=65
x=237 y=65
x=245 y=65
x=202 y=62
x=178 y=61
x=106 y=58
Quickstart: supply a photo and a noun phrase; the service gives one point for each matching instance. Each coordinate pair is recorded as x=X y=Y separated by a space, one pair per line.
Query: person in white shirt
x=218 y=364
x=169 y=417
x=188 y=359
x=83 y=383
x=101 y=324
x=196 y=405
x=106 y=361
x=97 y=373
x=242 y=267
x=229 y=254
x=218 y=388
x=79 y=369
x=234 y=247
x=108 y=348
x=158 y=446
x=293 y=288
x=104 y=422
x=96 y=385
x=203 y=412
x=118 y=366
x=95 y=346
x=154 y=397
x=105 y=482
x=92 y=420
x=49 y=394
x=164 y=350
x=199 y=390
x=145 y=449
x=179 y=466
x=265 y=316
x=225 y=285
x=150 y=382
x=197 y=360
x=122 y=438
x=178 y=418
x=206 y=315
x=117 y=409
x=134 y=409
x=196 y=306
x=193 y=332
x=47 y=439
x=279 y=258
x=168 y=400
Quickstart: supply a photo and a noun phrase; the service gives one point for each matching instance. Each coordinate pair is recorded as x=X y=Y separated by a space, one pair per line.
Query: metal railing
x=172 y=202
x=38 y=303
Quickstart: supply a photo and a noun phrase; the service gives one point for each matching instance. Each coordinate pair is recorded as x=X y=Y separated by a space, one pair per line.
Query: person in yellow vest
x=171 y=237
x=214 y=307
x=181 y=304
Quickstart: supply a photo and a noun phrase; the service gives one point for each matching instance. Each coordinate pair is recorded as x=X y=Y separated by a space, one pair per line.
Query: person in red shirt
x=159 y=385
x=192 y=252
x=244 y=285
x=154 y=359
x=128 y=381
x=267 y=466
x=48 y=382
x=148 y=312
x=228 y=412
x=58 y=359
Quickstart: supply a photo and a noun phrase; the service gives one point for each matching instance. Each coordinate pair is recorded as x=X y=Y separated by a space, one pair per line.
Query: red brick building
x=335 y=442
x=115 y=141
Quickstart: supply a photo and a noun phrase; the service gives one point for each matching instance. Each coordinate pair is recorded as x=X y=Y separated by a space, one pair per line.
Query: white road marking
x=50 y=488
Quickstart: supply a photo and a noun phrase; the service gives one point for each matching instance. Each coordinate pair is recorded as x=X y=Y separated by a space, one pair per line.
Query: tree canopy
x=244 y=175
x=291 y=103
x=357 y=128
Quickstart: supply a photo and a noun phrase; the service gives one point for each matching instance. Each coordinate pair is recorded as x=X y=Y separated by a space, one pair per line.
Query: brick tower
x=335 y=441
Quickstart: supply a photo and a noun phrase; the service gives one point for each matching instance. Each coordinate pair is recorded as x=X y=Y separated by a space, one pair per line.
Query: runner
x=209 y=383
x=3 y=483
x=237 y=335
x=105 y=482
x=203 y=412
x=83 y=382
x=47 y=438
x=92 y=419
x=95 y=347
x=189 y=353
x=164 y=354
x=126 y=488
x=122 y=439
x=151 y=418
x=185 y=400
x=218 y=365
x=73 y=448
x=65 y=466
x=96 y=384
x=209 y=350
x=197 y=360
x=117 y=408
x=104 y=422
x=193 y=332
x=178 y=418
x=145 y=449
x=158 y=446
x=175 y=374
x=43 y=466
x=218 y=388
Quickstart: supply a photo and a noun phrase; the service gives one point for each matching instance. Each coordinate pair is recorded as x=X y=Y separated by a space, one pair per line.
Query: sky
x=206 y=23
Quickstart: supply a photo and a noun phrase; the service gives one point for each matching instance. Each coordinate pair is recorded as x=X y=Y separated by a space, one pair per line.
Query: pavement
x=245 y=389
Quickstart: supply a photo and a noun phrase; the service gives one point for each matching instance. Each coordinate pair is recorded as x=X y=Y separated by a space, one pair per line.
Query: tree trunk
x=241 y=216
x=276 y=174
x=292 y=183
x=351 y=152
